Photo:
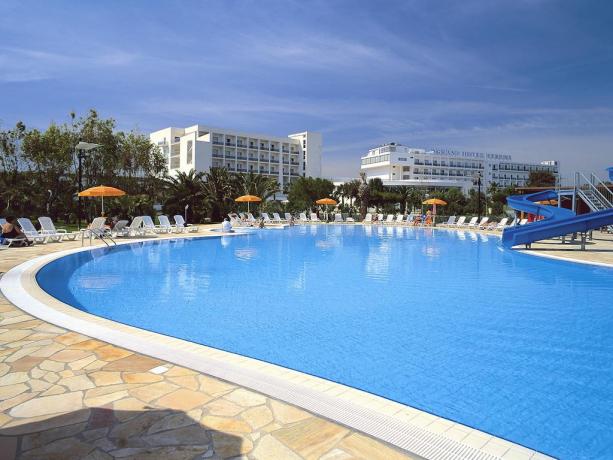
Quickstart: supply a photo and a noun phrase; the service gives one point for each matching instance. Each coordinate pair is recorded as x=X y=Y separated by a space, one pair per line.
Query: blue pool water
x=512 y=344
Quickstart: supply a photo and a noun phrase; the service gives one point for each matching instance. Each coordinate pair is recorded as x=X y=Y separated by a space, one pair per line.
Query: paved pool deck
x=64 y=394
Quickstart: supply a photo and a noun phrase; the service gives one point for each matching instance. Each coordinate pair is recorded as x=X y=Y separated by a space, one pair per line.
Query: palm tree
x=186 y=189
x=258 y=185
x=219 y=189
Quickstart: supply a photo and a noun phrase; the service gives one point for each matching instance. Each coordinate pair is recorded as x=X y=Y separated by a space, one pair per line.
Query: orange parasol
x=248 y=199
x=326 y=201
x=102 y=191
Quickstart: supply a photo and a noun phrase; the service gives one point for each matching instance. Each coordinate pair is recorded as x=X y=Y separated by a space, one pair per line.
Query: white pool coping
x=407 y=428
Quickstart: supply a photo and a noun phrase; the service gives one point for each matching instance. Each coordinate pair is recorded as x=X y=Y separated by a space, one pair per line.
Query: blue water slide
x=556 y=222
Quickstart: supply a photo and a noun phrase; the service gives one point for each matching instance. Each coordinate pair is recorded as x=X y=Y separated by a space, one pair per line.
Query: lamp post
x=81 y=148
x=477 y=180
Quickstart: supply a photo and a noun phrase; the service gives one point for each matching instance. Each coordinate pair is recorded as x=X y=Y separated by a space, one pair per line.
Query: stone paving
x=64 y=395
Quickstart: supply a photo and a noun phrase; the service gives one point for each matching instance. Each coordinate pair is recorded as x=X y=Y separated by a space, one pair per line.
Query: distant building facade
x=202 y=147
x=396 y=164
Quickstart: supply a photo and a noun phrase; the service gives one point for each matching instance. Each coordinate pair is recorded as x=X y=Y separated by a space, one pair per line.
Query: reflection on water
x=446 y=321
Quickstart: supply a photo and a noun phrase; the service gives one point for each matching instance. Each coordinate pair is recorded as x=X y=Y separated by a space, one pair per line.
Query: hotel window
x=175 y=158
x=190 y=152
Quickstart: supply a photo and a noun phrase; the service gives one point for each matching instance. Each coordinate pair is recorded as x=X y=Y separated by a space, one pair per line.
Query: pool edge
x=391 y=422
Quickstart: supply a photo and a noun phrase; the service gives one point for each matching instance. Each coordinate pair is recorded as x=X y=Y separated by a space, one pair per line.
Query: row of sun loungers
x=140 y=226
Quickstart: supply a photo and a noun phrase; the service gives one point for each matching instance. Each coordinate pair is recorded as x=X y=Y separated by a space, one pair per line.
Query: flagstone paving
x=64 y=395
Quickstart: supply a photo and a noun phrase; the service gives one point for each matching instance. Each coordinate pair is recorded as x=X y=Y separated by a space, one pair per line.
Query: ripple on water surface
x=448 y=322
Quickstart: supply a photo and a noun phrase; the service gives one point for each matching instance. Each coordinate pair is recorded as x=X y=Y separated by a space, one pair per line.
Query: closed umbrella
x=248 y=199
x=102 y=191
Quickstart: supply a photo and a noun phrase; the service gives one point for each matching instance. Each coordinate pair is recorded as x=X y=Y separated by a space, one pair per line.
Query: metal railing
x=590 y=191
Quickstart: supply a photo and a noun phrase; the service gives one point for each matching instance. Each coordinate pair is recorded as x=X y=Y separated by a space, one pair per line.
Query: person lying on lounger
x=11 y=231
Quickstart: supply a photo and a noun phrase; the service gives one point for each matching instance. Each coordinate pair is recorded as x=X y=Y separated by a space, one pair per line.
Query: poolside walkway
x=64 y=395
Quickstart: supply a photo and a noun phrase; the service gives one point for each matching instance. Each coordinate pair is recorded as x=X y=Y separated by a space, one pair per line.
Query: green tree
x=220 y=191
x=186 y=189
x=305 y=191
x=541 y=179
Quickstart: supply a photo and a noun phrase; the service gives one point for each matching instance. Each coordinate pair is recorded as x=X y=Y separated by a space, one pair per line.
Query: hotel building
x=202 y=147
x=397 y=164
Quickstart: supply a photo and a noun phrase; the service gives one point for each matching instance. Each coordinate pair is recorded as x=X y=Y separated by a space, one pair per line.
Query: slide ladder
x=556 y=221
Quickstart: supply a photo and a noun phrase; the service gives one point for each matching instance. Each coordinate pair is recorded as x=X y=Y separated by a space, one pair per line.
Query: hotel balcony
x=285 y=150
x=217 y=142
x=217 y=155
x=253 y=158
x=274 y=149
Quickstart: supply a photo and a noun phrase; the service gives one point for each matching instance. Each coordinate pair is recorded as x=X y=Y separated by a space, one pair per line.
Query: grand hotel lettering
x=476 y=155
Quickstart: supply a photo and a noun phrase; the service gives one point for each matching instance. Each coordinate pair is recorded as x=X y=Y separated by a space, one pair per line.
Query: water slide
x=556 y=222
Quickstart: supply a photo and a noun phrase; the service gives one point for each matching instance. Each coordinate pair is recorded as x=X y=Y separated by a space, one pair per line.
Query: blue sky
x=528 y=77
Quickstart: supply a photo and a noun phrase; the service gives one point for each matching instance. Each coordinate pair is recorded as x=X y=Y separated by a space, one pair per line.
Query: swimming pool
x=448 y=322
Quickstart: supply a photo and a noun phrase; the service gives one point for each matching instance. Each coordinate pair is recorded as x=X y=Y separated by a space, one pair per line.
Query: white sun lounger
x=48 y=228
x=120 y=229
x=367 y=218
x=483 y=222
x=30 y=231
x=390 y=219
x=338 y=218
x=266 y=218
x=449 y=223
x=288 y=216
x=472 y=222
x=399 y=219
x=8 y=242
x=278 y=218
x=165 y=223
x=380 y=218
x=460 y=221
x=314 y=217
x=149 y=226
x=500 y=225
x=523 y=222
x=182 y=225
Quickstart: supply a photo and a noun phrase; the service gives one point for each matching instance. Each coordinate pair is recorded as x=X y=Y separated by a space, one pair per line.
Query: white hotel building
x=397 y=164
x=202 y=147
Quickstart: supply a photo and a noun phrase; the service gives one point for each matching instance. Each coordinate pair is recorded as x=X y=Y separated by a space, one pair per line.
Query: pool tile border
x=405 y=427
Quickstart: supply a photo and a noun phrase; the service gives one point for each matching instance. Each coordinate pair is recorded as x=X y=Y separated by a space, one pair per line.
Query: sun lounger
x=302 y=217
x=266 y=218
x=472 y=222
x=182 y=225
x=278 y=218
x=120 y=229
x=449 y=223
x=498 y=226
x=523 y=222
x=48 y=228
x=30 y=231
x=460 y=221
x=483 y=223
x=165 y=223
x=150 y=227
x=399 y=219
x=288 y=216
x=390 y=219
x=314 y=217
x=409 y=220
x=338 y=218
x=380 y=218
x=367 y=219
